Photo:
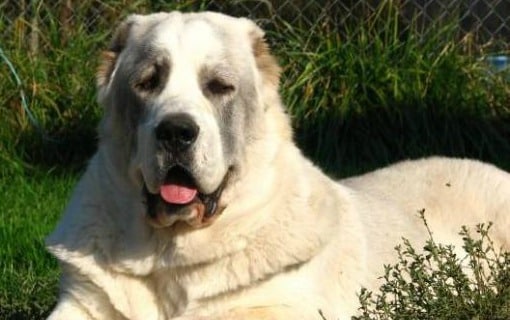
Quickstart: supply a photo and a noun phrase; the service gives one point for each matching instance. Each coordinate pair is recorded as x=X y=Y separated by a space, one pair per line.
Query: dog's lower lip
x=207 y=204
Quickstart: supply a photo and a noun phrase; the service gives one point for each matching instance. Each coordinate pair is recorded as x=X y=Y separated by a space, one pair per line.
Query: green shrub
x=437 y=284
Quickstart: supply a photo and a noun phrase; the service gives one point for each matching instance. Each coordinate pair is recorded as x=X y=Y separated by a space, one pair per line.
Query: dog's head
x=185 y=95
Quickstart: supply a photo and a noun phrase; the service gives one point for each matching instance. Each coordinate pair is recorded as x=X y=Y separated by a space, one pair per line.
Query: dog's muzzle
x=178 y=196
x=179 y=200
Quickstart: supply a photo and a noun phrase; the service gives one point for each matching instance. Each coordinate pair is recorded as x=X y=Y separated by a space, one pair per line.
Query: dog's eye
x=149 y=80
x=219 y=87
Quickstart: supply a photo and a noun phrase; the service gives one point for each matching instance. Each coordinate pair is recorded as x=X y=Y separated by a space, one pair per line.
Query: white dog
x=198 y=205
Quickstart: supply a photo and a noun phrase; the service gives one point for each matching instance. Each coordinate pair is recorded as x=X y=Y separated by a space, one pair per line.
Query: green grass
x=29 y=209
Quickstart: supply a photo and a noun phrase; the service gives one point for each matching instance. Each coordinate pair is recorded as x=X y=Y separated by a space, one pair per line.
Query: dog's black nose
x=177 y=132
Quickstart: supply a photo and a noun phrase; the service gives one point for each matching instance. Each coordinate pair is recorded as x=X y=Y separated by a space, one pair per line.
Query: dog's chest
x=194 y=294
x=193 y=289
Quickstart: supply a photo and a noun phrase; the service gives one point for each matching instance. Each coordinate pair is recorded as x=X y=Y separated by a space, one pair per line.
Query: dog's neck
x=226 y=251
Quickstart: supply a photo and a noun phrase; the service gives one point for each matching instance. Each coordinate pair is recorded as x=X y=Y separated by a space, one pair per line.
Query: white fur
x=290 y=241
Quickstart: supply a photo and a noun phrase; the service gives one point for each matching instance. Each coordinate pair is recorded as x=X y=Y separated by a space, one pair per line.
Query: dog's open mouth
x=180 y=200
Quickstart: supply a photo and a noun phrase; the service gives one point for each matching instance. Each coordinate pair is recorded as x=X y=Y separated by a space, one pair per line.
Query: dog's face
x=182 y=101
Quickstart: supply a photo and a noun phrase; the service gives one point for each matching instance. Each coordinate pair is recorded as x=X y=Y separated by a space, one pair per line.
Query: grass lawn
x=29 y=208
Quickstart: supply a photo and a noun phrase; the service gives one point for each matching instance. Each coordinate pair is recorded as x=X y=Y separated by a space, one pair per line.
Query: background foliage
x=365 y=84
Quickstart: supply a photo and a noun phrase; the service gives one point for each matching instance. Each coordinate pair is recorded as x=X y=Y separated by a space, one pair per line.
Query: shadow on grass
x=34 y=312
x=360 y=142
x=25 y=316
x=34 y=294
x=65 y=150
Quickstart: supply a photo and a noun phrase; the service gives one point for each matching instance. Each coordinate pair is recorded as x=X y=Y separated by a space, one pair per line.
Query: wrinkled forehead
x=192 y=37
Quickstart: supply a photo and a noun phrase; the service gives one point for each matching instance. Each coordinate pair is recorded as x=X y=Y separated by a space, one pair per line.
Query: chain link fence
x=487 y=19
x=33 y=21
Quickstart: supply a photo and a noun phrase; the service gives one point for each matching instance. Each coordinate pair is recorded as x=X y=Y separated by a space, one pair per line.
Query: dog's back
x=450 y=193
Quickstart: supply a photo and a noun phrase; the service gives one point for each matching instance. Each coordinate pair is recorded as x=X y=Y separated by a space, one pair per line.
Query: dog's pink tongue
x=177 y=194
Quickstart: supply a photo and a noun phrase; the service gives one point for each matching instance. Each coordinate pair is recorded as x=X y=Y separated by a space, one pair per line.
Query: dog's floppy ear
x=109 y=56
x=266 y=62
x=270 y=72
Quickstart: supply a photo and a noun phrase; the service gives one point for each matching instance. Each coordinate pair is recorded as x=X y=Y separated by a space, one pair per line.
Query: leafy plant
x=437 y=284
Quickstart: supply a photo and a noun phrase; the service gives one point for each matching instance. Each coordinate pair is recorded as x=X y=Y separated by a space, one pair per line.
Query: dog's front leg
x=80 y=299
x=68 y=308
x=258 y=313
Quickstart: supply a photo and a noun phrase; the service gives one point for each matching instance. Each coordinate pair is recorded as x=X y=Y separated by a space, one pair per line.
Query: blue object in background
x=499 y=63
